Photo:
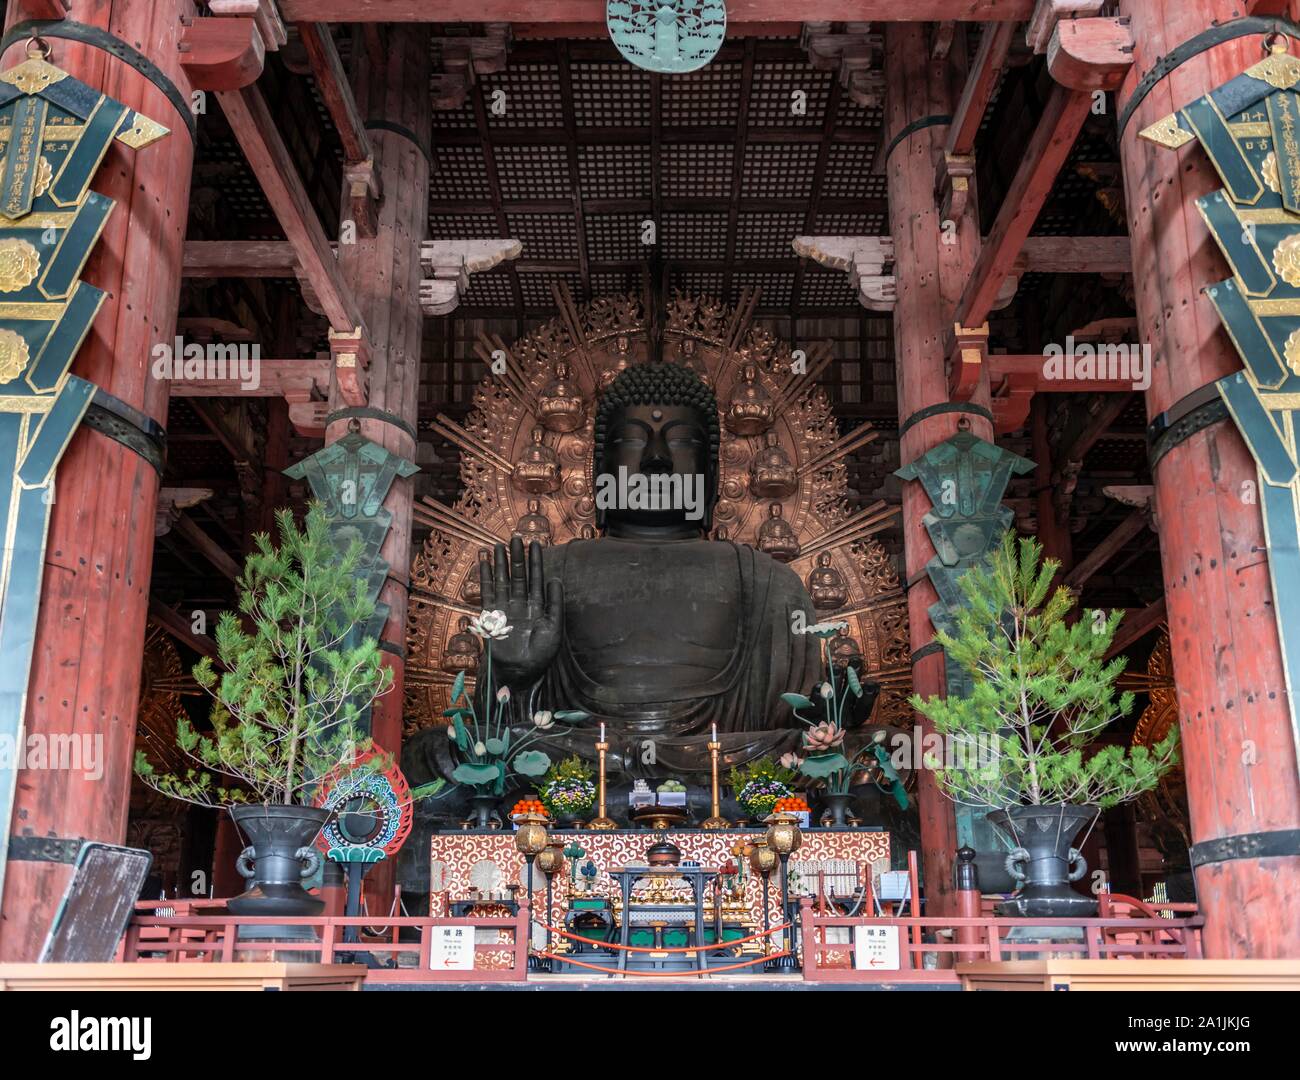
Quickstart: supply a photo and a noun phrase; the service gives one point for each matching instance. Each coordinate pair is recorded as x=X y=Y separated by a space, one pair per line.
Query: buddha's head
x=658 y=420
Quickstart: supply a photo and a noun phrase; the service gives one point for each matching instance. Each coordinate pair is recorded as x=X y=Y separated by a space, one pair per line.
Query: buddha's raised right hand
x=534 y=610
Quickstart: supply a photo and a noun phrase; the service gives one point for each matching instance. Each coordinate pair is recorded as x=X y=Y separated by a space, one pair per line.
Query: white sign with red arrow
x=875 y=948
x=452 y=948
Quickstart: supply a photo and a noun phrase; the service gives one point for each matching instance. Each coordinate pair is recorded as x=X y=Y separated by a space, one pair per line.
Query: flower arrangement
x=569 y=790
x=759 y=784
x=487 y=750
x=824 y=759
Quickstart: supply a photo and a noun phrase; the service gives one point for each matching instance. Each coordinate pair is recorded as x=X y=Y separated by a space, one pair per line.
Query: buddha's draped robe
x=662 y=640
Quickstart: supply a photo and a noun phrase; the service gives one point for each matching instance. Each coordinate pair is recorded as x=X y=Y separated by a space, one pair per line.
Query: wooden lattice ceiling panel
x=572 y=150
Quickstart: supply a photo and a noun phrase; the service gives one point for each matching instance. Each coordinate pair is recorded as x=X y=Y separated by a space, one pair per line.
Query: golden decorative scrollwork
x=593 y=342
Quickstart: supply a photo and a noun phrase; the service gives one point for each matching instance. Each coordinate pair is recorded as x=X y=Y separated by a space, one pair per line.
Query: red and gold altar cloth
x=461 y=862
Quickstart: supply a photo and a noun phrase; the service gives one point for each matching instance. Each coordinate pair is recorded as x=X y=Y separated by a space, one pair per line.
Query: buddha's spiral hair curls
x=661 y=383
x=657 y=383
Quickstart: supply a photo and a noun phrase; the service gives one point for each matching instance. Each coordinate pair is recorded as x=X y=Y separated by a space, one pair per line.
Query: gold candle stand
x=715 y=820
x=601 y=821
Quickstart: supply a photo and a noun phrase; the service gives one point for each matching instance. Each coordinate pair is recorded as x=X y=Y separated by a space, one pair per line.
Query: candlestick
x=715 y=820
x=601 y=821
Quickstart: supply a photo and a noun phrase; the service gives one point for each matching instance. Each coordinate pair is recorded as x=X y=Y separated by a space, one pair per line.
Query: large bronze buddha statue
x=652 y=628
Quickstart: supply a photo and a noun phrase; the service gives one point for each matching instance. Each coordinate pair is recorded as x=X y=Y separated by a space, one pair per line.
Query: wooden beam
x=171 y=621
x=1111 y=406
x=1048 y=149
x=1136 y=626
x=293 y=380
x=1004 y=367
x=206 y=546
x=335 y=90
x=593 y=11
x=259 y=137
x=1106 y=550
x=235 y=446
x=989 y=61
x=1077 y=255
x=239 y=259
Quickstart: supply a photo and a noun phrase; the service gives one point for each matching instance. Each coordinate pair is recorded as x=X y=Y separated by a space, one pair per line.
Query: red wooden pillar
x=85 y=676
x=1232 y=695
x=930 y=274
x=384 y=273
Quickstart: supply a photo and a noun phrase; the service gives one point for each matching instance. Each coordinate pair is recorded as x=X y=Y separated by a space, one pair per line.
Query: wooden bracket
x=1091 y=54
x=450 y=263
x=351 y=354
x=308 y=418
x=952 y=185
x=222 y=54
x=264 y=14
x=363 y=196
x=856 y=54
x=971 y=346
x=1048 y=14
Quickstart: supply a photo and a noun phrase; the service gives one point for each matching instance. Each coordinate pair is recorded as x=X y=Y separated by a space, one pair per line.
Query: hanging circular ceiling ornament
x=668 y=36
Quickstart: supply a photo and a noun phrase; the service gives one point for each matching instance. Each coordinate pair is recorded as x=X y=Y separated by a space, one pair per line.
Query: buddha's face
x=659 y=440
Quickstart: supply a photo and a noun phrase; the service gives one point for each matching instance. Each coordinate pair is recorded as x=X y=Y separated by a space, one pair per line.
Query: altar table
x=457 y=857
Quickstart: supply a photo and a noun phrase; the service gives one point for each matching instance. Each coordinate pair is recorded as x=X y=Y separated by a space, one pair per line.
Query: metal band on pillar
x=928 y=649
x=405 y=132
x=912 y=128
x=53 y=849
x=114 y=46
x=940 y=409
x=1183 y=419
x=1246 y=26
x=369 y=412
x=141 y=434
x=1277 y=844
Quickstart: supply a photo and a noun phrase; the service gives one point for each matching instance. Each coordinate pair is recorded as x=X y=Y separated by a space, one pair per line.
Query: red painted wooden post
x=808 y=936
x=85 y=674
x=327 y=942
x=929 y=274
x=968 y=907
x=384 y=273
x=1233 y=702
x=523 y=939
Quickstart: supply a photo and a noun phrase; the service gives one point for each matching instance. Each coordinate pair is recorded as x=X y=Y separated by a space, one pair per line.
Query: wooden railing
x=152 y=938
x=952 y=939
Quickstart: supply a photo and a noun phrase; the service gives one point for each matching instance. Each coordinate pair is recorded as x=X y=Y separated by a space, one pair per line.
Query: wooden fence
x=152 y=938
x=945 y=940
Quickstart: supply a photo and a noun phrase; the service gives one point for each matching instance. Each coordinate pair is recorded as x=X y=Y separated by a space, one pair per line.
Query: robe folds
x=663 y=640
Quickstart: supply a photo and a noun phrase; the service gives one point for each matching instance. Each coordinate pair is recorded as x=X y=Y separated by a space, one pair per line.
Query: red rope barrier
x=665 y=974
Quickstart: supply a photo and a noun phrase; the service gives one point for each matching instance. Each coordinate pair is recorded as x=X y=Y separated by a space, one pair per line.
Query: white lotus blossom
x=451 y=731
x=480 y=749
x=490 y=624
x=503 y=695
x=791 y=761
x=543 y=720
x=826 y=690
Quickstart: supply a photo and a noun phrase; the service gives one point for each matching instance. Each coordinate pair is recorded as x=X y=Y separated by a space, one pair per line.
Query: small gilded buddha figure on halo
x=751 y=410
x=771 y=476
x=538 y=468
x=776 y=537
